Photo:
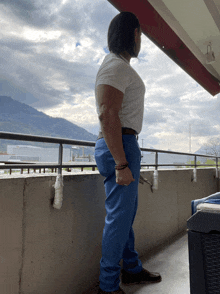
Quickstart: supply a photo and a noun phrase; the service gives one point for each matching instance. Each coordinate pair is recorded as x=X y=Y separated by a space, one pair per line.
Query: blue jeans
x=121 y=207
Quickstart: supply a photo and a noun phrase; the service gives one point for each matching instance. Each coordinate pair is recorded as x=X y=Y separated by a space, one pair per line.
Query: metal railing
x=156 y=151
x=60 y=165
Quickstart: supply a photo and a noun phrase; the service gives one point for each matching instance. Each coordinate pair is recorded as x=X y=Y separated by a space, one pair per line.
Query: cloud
x=173 y=101
x=41 y=14
x=46 y=59
x=81 y=112
x=50 y=52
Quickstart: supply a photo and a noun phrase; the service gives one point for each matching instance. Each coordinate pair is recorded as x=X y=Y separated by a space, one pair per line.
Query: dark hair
x=121 y=33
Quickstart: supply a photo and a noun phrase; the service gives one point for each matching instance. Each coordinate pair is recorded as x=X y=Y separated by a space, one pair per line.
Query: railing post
x=217 y=173
x=155 y=182
x=60 y=159
x=216 y=161
x=156 y=160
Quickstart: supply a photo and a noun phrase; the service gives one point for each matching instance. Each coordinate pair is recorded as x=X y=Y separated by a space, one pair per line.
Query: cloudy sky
x=50 y=52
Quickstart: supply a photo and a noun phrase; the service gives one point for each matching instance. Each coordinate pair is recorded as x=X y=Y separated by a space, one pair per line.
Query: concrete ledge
x=48 y=251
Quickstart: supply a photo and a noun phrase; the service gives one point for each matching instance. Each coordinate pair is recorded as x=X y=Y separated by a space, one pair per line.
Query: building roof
x=183 y=29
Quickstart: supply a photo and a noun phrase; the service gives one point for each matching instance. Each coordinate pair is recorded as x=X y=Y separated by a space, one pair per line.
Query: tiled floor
x=173 y=265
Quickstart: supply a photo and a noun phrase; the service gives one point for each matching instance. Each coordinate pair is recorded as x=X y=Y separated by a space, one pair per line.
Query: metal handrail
x=62 y=141
x=33 y=138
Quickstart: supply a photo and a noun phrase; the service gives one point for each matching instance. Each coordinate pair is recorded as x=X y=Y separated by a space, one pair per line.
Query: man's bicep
x=109 y=98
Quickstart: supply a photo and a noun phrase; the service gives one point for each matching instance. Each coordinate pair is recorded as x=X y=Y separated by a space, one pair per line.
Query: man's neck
x=126 y=55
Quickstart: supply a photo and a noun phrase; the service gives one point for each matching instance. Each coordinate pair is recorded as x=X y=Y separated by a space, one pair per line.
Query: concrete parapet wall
x=49 y=251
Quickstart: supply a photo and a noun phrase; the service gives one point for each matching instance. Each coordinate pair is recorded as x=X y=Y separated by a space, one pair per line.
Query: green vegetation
x=208 y=162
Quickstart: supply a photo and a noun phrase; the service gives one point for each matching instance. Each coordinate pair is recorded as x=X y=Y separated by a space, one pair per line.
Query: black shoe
x=120 y=291
x=144 y=277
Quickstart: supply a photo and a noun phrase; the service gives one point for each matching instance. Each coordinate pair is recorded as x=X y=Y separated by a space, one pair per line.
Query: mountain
x=203 y=150
x=211 y=148
x=17 y=117
x=9 y=89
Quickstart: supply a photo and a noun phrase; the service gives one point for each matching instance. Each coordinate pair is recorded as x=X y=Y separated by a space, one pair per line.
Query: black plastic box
x=204 y=252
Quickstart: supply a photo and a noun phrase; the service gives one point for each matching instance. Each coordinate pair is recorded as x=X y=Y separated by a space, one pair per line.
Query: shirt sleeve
x=116 y=76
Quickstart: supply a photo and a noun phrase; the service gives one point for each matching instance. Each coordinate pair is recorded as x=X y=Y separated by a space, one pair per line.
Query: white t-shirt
x=117 y=72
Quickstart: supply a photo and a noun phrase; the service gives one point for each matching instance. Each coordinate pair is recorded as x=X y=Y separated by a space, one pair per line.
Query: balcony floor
x=173 y=264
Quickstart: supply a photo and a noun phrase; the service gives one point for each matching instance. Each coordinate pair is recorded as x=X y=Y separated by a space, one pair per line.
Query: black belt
x=125 y=131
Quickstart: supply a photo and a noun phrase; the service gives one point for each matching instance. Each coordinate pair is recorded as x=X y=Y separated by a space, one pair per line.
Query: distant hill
x=17 y=117
x=203 y=150
x=212 y=148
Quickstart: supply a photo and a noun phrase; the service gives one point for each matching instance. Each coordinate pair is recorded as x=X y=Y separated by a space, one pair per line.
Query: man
x=119 y=92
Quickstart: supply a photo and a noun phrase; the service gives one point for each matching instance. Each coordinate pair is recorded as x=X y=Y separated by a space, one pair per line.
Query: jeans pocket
x=104 y=160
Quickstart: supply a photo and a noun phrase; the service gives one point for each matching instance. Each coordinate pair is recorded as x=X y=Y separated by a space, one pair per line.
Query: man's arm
x=110 y=101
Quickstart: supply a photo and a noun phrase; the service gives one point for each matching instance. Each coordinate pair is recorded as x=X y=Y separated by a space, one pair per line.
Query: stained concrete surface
x=48 y=251
x=172 y=263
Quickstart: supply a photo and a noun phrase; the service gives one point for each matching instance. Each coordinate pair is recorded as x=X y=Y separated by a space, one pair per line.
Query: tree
x=213 y=147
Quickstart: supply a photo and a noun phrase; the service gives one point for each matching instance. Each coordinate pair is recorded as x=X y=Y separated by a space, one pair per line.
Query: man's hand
x=124 y=176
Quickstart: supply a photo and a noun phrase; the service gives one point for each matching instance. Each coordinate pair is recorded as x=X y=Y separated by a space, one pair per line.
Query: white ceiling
x=197 y=23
